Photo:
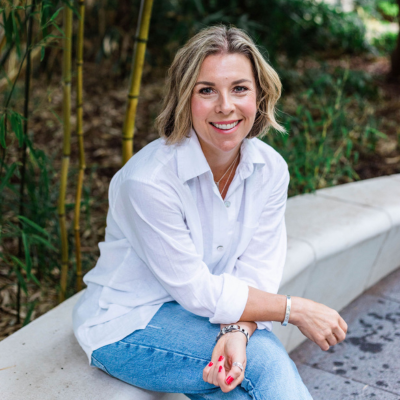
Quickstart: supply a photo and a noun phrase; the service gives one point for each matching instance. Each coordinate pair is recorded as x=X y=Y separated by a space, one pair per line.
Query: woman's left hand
x=230 y=347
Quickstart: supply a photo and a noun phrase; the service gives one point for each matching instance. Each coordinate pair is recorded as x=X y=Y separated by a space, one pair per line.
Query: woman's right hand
x=321 y=324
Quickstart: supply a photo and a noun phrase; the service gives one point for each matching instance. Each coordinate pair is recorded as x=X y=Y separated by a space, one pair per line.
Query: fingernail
x=220 y=368
x=229 y=380
x=220 y=358
x=211 y=364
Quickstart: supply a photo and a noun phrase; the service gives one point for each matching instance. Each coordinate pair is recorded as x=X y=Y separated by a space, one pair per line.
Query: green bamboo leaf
x=56 y=115
x=27 y=319
x=19 y=275
x=9 y=173
x=36 y=280
x=8 y=27
x=54 y=16
x=16 y=33
x=42 y=54
x=16 y=126
x=28 y=260
x=3 y=132
x=33 y=225
x=38 y=239
x=59 y=29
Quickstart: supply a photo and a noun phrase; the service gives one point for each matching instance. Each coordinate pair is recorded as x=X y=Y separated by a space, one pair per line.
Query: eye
x=202 y=91
x=244 y=89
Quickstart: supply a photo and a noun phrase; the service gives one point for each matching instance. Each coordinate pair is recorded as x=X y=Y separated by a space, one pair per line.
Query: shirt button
x=227 y=203
x=220 y=248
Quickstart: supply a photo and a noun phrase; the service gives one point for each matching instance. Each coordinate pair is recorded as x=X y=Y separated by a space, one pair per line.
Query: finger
x=233 y=376
x=339 y=334
x=219 y=370
x=231 y=379
x=343 y=325
x=323 y=344
x=331 y=339
x=206 y=370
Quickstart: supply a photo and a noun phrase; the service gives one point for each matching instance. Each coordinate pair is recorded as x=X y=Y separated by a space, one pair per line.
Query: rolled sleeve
x=261 y=264
x=232 y=302
x=152 y=218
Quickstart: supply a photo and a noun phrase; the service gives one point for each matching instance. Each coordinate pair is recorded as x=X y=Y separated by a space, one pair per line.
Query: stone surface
x=327 y=386
x=388 y=288
x=308 y=217
x=388 y=258
x=381 y=193
x=338 y=279
x=300 y=255
x=369 y=354
x=43 y=361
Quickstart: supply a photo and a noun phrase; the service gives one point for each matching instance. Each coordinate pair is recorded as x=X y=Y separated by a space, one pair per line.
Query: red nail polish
x=220 y=358
x=220 y=368
x=229 y=380
x=211 y=364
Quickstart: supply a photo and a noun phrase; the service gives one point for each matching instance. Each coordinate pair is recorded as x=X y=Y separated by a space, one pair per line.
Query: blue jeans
x=169 y=355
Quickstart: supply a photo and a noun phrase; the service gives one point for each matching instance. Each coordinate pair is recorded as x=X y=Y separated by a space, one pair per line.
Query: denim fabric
x=169 y=355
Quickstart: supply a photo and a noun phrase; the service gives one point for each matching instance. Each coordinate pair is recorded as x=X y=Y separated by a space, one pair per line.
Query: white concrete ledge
x=341 y=241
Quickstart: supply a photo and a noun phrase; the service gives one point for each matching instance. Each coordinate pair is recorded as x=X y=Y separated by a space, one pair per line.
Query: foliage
x=386 y=43
x=331 y=124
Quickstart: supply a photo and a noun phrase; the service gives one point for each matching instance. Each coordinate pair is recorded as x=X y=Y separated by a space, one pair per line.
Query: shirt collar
x=192 y=162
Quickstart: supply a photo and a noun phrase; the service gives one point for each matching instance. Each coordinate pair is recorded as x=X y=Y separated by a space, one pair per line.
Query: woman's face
x=224 y=102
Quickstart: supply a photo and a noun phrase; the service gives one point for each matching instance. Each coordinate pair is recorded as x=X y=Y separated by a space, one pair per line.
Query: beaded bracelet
x=233 y=328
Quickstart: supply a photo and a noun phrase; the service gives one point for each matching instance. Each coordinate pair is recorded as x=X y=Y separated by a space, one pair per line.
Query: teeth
x=226 y=126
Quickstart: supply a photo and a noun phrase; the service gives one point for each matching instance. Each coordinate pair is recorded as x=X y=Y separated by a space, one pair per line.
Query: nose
x=224 y=104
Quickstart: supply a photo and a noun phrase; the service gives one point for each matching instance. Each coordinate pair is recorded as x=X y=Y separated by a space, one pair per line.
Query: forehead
x=224 y=68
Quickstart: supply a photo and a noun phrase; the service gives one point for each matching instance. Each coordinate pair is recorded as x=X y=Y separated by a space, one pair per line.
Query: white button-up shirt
x=171 y=236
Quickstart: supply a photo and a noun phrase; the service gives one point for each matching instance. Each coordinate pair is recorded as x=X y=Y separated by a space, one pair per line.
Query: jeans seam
x=253 y=389
x=166 y=350
x=105 y=369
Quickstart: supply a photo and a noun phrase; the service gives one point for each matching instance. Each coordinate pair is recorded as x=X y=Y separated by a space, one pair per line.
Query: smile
x=226 y=127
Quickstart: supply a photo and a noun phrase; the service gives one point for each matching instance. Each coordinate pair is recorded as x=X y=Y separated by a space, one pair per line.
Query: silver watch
x=233 y=328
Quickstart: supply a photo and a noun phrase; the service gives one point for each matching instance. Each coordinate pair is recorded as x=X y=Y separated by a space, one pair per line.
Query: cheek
x=249 y=107
x=200 y=109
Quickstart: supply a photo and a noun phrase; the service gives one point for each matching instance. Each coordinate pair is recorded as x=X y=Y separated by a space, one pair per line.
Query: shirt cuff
x=264 y=325
x=232 y=302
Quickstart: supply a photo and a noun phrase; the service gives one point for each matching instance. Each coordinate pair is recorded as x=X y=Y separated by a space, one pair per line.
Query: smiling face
x=223 y=103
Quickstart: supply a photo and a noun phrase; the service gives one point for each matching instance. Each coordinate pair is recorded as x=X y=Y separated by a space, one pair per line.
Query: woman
x=196 y=241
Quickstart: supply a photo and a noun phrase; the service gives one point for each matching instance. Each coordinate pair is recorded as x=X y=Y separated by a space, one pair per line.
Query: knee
x=271 y=372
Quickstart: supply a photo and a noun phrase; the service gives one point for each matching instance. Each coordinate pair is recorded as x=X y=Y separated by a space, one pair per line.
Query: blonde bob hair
x=175 y=119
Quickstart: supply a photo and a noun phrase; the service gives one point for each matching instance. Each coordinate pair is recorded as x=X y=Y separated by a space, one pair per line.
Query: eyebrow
x=213 y=84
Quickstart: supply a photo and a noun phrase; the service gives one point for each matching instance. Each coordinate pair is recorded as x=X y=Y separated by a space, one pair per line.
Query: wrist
x=296 y=310
x=250 y=326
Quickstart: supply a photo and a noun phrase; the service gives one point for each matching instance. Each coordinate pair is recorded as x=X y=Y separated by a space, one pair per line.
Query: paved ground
x=366 y=365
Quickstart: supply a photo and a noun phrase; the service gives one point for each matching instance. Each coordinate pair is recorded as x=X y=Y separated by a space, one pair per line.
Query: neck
x=219 y=162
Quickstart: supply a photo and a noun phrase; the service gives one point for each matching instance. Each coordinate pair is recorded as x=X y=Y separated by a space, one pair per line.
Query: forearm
x=263 y=306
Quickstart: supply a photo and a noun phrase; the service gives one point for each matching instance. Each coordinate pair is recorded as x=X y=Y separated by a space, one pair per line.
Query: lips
x=226 y=125
x=229 y=128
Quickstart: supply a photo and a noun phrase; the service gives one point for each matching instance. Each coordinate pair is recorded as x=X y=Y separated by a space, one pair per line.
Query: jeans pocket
x=96 y=363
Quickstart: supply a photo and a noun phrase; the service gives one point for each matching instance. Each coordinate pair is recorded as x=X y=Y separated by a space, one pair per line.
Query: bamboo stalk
x=23 y=152
x=66 y=147
x=142 y=34
x=79 y=132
